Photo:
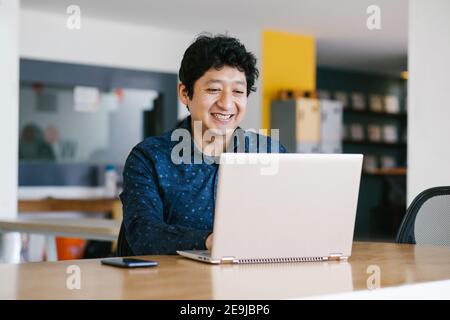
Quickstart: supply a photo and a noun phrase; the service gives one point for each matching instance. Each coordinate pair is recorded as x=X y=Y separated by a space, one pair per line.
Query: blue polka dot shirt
x=169 y=206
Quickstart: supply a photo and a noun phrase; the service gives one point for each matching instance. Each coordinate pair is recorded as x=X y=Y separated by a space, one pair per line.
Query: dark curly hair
x=208 y=52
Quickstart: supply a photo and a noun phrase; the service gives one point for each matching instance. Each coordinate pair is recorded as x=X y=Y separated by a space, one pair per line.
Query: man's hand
x=209 y=241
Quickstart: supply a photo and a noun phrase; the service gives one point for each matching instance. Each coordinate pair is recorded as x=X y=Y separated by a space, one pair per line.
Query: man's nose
x=226 y=100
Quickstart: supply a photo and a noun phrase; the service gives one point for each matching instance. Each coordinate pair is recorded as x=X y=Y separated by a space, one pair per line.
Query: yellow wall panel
x=288 y=62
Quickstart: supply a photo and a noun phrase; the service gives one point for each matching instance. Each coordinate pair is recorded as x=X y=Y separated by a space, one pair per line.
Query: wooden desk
x=83 y=205
x=93 y=229
x=179 y=278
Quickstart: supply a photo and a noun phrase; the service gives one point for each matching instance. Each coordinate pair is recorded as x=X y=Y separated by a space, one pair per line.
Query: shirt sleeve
x=143 y=211
x=282 y=148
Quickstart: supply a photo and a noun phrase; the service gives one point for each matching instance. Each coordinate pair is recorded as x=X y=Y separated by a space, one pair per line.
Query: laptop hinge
x=227 y=260
x=336 y=257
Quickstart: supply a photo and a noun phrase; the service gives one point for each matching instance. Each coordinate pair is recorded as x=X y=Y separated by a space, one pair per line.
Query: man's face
x=219 y=100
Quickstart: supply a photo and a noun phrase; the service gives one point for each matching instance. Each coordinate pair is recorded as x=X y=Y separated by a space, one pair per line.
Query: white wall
x=9 y=110
x=45 y=36
x=110 y=43
x=428 y=95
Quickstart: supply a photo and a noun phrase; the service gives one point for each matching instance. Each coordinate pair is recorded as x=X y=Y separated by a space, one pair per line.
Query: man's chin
x=219 y=131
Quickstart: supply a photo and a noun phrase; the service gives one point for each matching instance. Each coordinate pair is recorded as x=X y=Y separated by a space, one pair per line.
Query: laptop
x=283 y=208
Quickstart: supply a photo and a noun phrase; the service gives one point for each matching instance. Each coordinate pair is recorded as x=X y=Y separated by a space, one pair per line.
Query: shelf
x=387 y=172
x=401 y=115
x=376 y=144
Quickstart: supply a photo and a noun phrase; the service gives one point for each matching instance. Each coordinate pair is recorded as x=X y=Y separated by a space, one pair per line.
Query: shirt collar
x=237 y=134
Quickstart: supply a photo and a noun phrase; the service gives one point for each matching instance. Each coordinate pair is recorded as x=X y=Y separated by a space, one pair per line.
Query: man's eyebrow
x=220 y=81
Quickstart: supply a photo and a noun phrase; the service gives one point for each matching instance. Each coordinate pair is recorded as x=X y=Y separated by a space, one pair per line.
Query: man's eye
x=213 y=90
x=239 y=92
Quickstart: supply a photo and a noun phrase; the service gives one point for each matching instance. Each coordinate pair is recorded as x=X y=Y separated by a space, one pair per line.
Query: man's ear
x=183 y=94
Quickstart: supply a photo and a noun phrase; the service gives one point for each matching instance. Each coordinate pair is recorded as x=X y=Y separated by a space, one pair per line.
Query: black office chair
x=427 y=220
x=123 y=248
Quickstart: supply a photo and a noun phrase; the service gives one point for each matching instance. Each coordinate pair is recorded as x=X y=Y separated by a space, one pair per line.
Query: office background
x=299 y=45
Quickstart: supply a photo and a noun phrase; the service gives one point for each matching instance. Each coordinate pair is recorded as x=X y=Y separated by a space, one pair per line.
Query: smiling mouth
x=222 y=116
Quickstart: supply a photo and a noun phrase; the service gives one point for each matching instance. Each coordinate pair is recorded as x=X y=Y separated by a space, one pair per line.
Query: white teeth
x=221 y=116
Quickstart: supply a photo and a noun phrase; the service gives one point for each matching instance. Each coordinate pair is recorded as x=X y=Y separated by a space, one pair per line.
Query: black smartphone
x=129 y=262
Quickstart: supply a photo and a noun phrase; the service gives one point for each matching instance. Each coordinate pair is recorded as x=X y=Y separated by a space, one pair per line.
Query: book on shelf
x=374 y=132
x=391 y=104
x=358 y=101
x=376 y=103
x=342 y=96
x=390 y=134
x=388 y=162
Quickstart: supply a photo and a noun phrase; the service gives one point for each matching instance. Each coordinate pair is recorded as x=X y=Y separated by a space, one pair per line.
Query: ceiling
x=339 y=26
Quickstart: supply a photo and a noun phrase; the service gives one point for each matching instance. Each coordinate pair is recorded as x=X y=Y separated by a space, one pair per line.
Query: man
x=169 y=196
